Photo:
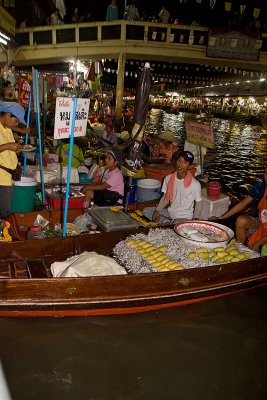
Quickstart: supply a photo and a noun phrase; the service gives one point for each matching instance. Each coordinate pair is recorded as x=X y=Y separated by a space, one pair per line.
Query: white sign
x=63 y=117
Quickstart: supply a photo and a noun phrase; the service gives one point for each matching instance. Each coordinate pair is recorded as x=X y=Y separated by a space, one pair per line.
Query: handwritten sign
x=63 y=117
x=24 y=92
x=199 y=133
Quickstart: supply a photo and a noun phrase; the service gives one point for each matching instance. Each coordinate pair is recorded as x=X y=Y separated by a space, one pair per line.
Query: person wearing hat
x=167 y=147
x=10 y=115
x=181 y=198
x=110 y=190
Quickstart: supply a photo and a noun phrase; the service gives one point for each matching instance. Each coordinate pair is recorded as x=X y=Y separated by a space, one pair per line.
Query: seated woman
x=167 y=146
x=63 y=154
x=109 y=137
x=110 y=190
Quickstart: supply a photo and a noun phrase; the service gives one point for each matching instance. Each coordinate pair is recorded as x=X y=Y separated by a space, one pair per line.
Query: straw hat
x=170 y=136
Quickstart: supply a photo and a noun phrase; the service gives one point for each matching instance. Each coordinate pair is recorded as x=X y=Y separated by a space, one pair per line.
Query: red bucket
x=214 y=190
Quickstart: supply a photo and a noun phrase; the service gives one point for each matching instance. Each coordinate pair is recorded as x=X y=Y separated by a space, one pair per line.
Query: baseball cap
x=116 y=153
x=187 y=156
x=13 y=108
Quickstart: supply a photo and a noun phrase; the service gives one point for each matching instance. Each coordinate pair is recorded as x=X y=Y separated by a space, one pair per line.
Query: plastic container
x=214 y=190
x=24 y=195
x=35 y=232
x=213 y=207
x=57 y=201
x=148 y=190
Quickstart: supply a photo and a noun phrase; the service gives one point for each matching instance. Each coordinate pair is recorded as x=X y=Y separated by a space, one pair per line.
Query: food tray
x=109 y=220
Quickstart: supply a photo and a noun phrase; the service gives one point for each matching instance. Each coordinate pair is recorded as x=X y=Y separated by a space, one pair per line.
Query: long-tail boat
x=27 y=288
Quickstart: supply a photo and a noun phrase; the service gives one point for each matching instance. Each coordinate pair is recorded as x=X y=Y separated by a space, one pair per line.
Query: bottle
x=46 y=152
x=35 y=232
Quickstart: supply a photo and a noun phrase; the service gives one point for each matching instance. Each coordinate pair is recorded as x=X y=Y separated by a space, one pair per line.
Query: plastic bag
x=83 y=222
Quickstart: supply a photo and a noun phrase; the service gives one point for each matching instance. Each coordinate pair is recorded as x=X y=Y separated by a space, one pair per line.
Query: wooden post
x=120 y=87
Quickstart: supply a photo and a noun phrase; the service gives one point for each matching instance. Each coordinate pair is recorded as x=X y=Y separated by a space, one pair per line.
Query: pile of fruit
x=154 y=255
x=139 y=217
x=220 y=255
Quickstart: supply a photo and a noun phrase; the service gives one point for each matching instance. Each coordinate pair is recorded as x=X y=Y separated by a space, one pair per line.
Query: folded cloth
x=86 y=264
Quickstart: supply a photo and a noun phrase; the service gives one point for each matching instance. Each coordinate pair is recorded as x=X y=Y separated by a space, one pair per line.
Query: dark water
x=240 y=153
x=211 y=350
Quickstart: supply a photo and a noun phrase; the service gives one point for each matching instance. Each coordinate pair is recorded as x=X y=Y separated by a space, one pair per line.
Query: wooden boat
x=27 y=288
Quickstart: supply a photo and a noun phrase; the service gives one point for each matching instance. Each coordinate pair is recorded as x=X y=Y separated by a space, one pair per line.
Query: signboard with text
x=24 y=92
x=199 y=133
x=63 y=117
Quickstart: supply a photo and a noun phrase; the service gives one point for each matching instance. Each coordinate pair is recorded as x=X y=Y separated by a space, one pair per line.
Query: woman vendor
x=11 y=114
x=110 y=190
x=167 y=147
x=63 y=154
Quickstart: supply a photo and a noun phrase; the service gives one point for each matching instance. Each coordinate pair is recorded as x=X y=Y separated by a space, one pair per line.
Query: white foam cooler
x=148 y=190
x=213 y=208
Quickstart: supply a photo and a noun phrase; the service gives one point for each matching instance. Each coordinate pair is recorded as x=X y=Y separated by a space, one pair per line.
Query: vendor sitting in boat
x=63 y=154
x=181 y=198
x=167 y=147
x=251 y=230
x=109 y=137
x=110 y=190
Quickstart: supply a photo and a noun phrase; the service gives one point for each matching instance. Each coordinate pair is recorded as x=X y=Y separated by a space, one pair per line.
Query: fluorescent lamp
x=3 y=41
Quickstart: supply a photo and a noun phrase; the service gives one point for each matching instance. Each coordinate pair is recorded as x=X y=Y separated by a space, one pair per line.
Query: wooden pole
x=120 y=87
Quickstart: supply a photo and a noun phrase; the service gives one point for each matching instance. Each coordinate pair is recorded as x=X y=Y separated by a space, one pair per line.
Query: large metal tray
x=112 y=221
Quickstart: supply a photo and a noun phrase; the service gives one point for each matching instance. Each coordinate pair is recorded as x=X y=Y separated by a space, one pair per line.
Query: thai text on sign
x=24 y=92
x=199 y=133
x=63 y=117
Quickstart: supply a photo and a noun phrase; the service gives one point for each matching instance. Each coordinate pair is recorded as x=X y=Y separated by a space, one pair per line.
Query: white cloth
x=86 y=264
x=182 y=206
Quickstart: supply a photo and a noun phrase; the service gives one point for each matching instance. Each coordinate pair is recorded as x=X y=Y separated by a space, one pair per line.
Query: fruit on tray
x=154 y=255
x=139 y=217
x=220 y=255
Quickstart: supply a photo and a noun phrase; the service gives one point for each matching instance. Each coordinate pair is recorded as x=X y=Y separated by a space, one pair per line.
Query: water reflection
x=240 y=152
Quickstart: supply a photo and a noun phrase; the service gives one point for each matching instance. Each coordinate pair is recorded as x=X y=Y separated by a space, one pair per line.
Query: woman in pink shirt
x=110 y=190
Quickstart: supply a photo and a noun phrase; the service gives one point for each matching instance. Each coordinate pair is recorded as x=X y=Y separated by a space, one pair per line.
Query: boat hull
x=29 y=290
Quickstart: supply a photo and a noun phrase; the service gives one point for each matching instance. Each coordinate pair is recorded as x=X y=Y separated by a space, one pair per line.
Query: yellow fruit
x=192 y=255
x=203 y=256
x=235 y=259
x=163 y=248
x=234 y=252
x=169 y=262
x=163 y=269
x=176 y=267
x=202 y=250
x=212 y=253
x=158 y=255
x=165 y=261
x=218 y=249
x=221 y=254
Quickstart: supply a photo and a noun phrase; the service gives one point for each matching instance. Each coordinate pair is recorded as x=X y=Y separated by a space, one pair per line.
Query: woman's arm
x=96 y=186
x=236 y=208
x=22 y=130
x=12 y=146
